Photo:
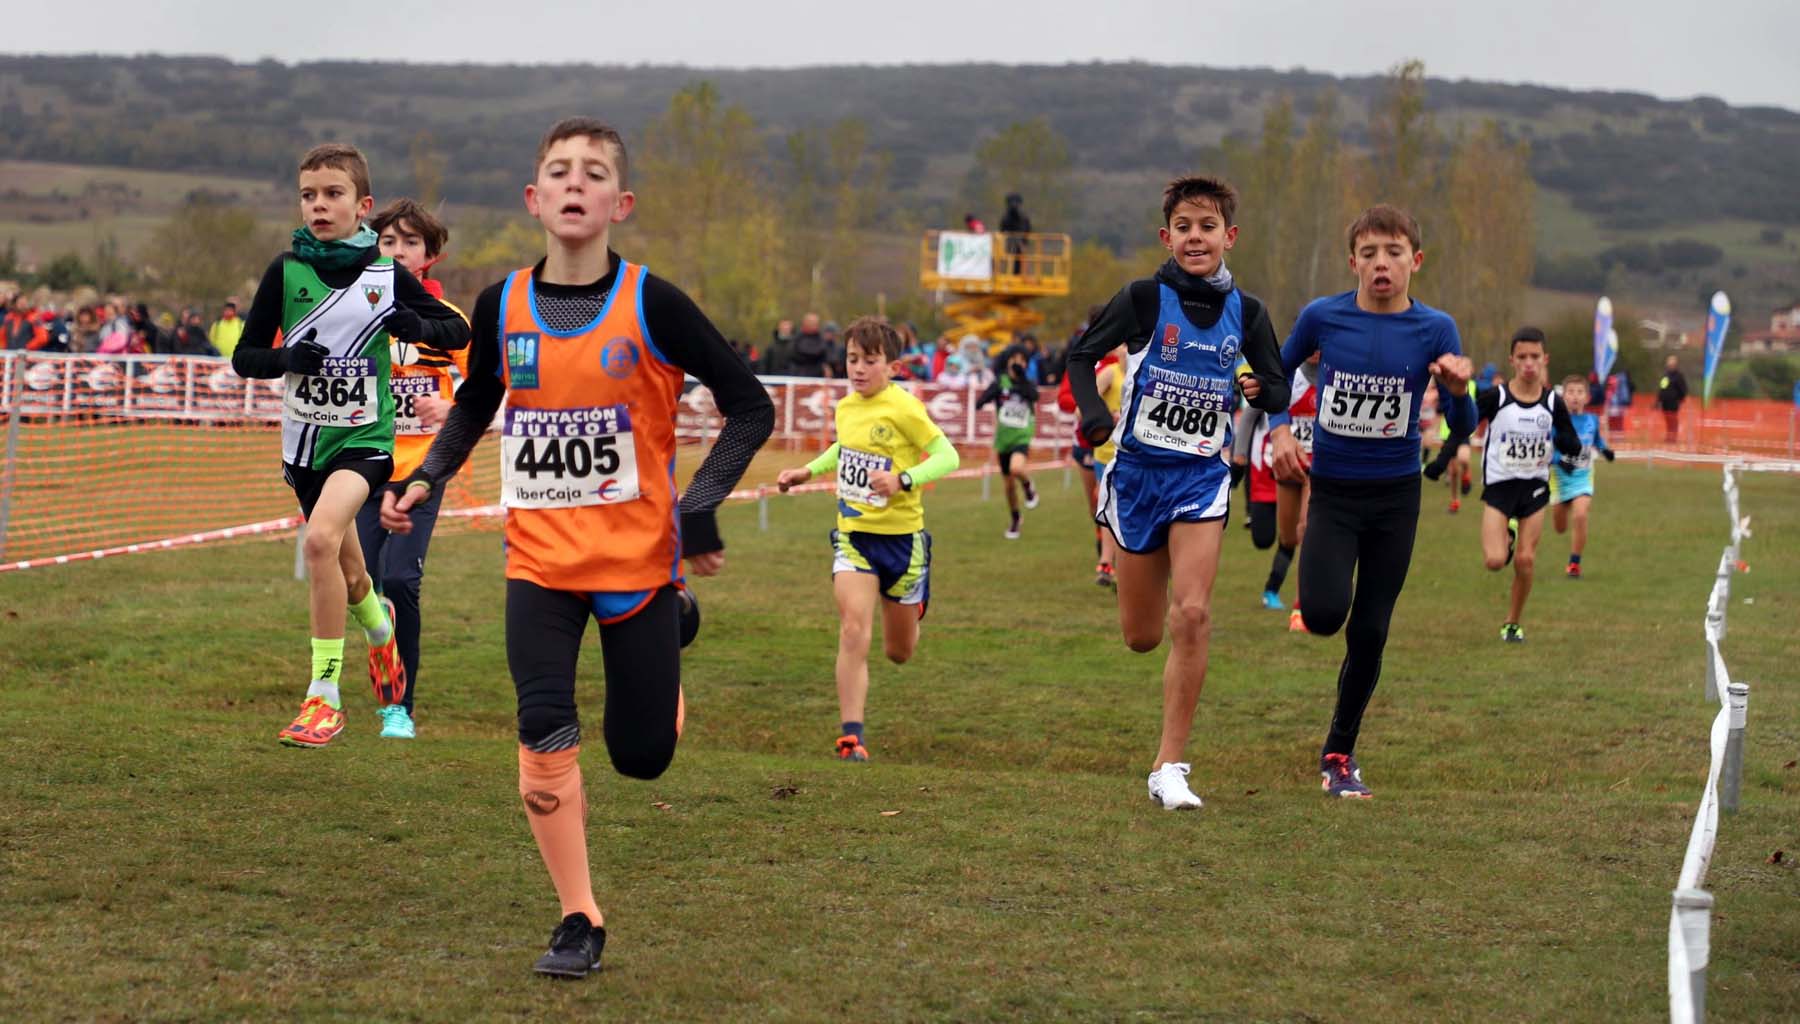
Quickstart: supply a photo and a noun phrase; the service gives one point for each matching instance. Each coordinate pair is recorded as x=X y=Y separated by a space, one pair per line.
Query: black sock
x=1278 y=569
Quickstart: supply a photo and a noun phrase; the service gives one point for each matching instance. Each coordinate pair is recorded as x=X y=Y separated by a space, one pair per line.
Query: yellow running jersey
x=890 y=432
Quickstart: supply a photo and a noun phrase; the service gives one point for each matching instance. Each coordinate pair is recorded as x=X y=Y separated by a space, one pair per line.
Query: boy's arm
x=1487 y=405
x=1118 y=324
x=1302 y=342
x=1264 y=356
x=476 y=401
x=940 y=460
x=690 y=341
x=826 y=462
x=256 y=355
x=989 y=394
x=1562 y=431
x=1027 y=389
x=440 y=325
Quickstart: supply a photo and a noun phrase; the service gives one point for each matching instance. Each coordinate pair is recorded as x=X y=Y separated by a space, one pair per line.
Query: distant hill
x=1618 y=171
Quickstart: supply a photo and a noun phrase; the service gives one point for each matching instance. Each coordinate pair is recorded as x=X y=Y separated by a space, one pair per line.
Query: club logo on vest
x=541 y=802
x=303 y=296
x=1171 y=343
x=881 y=433
x=618 y=358
x=522 y=361
x=1228 y=351
x=373 y=293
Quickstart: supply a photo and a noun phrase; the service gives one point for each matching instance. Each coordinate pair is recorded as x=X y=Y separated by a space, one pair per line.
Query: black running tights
x=1362 y=529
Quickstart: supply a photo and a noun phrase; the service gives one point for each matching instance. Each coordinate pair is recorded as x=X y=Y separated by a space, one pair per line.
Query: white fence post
x=1731 y=777
x=1693 y=916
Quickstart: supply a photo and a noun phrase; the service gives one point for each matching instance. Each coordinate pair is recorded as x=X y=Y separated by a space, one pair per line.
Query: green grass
x=163 y=858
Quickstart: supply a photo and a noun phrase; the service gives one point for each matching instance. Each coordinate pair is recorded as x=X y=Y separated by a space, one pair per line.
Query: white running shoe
x=1031 y=497
x=1012 y=529
x=1168 y=787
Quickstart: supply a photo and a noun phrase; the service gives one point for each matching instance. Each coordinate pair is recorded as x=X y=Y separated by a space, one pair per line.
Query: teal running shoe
x=1272 y=601
x=396 y=724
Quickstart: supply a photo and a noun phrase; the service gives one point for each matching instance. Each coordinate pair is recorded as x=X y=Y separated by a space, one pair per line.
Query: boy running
x=423 y=384
x=887 y=448
x=1524 y=420
x=1378 y=351
x=590 y=352
x=1015 y=424
x=1575 y=477
x=323 y=318
x=1167 y=492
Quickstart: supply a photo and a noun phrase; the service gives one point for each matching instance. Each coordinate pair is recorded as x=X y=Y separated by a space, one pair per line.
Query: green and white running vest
x=346 y=404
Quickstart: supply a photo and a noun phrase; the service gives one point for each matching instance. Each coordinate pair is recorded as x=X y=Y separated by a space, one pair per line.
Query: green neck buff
x=335 y=255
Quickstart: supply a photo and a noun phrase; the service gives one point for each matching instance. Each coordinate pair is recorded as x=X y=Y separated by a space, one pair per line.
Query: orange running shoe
x=387 y=673
x=1455 y=505
x=317 y=724
x=849 y=748
x=1297 y=624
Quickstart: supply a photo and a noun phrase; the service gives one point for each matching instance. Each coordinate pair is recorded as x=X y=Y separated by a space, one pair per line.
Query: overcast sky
x=1743 y=51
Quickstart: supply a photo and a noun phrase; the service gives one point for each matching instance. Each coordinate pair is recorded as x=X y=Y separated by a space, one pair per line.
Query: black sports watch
x=906 y=481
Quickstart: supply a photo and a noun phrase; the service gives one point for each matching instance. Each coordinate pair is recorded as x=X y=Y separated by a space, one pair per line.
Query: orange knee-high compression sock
x=551 y=787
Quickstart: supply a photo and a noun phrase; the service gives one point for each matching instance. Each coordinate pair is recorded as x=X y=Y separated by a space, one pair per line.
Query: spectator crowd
x=117 y=326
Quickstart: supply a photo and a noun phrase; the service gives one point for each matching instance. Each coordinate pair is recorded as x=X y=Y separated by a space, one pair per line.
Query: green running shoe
x=396 y=724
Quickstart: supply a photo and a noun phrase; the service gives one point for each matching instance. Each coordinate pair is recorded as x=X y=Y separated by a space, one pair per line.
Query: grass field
x=163 y=858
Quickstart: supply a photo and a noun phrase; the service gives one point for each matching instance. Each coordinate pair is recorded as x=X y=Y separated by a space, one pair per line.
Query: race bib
x=853 y=471
x=1015 y=415
x=567 y=458
x=342 y=394
x=1521 y=455
x=1365 y=405
x=407 y=392
x=1302 y=429
x=1586 y=459
x=1181 y=420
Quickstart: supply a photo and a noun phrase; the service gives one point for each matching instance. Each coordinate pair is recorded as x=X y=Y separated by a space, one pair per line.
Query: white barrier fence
x=1690 y=917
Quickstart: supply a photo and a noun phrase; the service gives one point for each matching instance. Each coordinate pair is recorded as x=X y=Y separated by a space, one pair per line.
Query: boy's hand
x=397 y=502
x=708 y=564
x=303 y=357
x=1096 y=429
x=1453 y=372
x=432 y=410
x=792 y=478
x=1608 y=453
x=1286 y=460
x=402 y=324
x=884 y=483
x=1250 y=386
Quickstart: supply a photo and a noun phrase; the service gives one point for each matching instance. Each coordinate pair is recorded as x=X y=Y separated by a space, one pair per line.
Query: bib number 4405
x=568 y=456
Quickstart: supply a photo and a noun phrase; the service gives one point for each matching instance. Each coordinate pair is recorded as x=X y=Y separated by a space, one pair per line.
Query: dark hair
x=870 y=333
x=340 y=156
x=593 y=128
x=1382 y=219
x=1528 y=335
x=1201 y=189
x=410 y=214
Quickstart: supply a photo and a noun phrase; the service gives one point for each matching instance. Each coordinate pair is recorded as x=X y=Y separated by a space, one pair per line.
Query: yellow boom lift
x=993 y=277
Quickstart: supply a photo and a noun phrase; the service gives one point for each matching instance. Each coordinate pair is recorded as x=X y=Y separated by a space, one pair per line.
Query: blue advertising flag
x=1718 y=319
x=1605 y=349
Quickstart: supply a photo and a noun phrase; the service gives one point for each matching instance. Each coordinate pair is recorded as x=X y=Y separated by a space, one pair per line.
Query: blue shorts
x=1138 y=500
x=1570 y=486
x=900 y=563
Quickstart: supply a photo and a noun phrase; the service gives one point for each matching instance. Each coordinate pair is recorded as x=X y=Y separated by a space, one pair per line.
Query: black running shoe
x=575 y=948
x=690 y=616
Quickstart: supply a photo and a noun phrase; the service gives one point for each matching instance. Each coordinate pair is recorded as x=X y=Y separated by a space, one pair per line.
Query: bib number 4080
x=568 y=456
x=1183 y=419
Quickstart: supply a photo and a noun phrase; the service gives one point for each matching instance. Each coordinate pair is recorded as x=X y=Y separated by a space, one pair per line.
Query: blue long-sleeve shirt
x=1373 y=372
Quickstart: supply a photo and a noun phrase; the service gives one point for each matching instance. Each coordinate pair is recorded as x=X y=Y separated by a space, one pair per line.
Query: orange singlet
x=588 y=446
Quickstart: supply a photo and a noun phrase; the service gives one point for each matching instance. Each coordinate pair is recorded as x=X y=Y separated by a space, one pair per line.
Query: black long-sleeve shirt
x=1562 y=427
x=683 y=335
x=1018 y=383
x=1130 y=318
x=256 y=354
x=1673 y=391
